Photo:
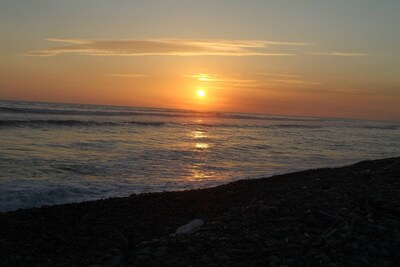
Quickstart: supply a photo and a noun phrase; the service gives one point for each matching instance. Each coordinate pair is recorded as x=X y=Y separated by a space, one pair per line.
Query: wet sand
x=346 y=216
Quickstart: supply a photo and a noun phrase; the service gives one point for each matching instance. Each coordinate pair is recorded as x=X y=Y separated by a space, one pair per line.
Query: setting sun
x=268 y=100
x=201 y=93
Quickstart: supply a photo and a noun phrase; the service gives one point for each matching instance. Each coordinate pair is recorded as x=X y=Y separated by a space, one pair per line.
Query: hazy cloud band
x=165 y=47
x=338 y=54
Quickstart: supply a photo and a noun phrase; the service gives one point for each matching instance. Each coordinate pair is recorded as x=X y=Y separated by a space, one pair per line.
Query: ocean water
x=60 y=153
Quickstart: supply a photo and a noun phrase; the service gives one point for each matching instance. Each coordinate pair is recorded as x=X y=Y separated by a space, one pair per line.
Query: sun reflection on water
x=198 y=173
x=198 y=135
x=200 y=142
x=201 y=145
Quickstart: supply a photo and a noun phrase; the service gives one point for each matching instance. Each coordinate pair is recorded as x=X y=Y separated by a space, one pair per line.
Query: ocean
x=53 y=153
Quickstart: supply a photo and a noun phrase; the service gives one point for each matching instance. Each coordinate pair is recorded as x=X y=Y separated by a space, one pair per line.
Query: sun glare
x=201 y=93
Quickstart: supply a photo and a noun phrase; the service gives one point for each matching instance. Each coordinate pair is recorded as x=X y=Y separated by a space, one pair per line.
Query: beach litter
x=189 y=228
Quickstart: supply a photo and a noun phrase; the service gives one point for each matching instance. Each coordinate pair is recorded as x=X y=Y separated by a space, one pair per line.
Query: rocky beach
x=348 y=216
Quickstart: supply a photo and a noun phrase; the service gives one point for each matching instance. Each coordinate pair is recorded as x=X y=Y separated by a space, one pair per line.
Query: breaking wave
x=152 y=112
x=16 y=123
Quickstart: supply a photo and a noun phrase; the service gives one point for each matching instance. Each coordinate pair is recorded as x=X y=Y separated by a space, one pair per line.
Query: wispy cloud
x=165 y=47
x=292 y=82
x=125 y=75
x=269 y=80
x=205 y=77
x=284 y=75
x=286 y=80
x=338 y=54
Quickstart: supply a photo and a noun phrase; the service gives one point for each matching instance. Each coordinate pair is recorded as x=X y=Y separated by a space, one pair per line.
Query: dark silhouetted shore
x=346 y=216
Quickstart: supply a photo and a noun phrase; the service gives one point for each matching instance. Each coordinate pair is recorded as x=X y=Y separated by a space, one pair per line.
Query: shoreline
x=208 y=184
x=333 y=216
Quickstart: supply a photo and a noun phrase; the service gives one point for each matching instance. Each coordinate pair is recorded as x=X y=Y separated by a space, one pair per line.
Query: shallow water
x=59 y=153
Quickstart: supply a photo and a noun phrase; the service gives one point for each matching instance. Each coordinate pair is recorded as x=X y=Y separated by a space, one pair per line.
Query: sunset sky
x=309 y=57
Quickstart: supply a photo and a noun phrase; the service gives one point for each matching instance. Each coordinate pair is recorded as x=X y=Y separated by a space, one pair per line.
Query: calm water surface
x=58 y=153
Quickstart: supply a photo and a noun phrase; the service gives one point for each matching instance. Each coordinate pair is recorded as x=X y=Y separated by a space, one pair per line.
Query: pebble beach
x=347 y=216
